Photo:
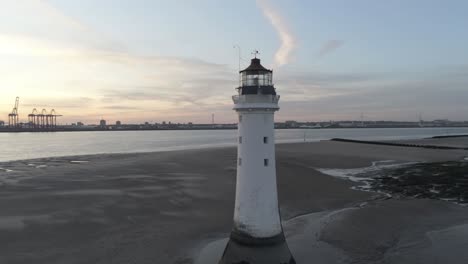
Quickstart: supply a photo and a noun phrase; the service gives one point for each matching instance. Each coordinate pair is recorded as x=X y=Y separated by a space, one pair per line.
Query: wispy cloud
x=121 y=107
x=441 y=93
x=288 y=41
x=330 y=46
x=57 y=103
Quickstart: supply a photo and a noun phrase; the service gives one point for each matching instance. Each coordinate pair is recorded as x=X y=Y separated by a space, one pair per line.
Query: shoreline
x=97 y=129
x=125 y=153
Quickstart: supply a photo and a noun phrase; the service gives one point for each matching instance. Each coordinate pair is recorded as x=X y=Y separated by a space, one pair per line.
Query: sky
x=152 y=60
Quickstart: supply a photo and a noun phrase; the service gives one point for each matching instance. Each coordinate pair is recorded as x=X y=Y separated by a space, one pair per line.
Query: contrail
x=288 y=41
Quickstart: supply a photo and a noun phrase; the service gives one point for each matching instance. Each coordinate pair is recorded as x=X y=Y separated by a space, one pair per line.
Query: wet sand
x=168 y=207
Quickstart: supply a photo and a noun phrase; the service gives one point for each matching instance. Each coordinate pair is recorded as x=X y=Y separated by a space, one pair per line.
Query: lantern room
x=256 y=79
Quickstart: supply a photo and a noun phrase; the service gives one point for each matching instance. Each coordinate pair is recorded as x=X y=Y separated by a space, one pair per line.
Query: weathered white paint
x=256 y=209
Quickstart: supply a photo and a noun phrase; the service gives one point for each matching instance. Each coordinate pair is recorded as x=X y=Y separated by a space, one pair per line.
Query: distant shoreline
x=398 y=143
x=96 y=129
x=24 y=146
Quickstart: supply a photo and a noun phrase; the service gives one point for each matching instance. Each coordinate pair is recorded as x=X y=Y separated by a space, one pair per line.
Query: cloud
x=384 y=96
x=198 y=92
x=288 y=41
x=121 y=107
x=151 y=84
x=57 y=103
x=307 y=95
x=330 y=46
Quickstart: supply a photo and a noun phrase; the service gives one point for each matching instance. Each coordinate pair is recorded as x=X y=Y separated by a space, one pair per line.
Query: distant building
x=102 y=123
x=441 y=122
x=346 y=124
x=291 y=123
x=2 y=123
x=118 y=123
x=79 y=124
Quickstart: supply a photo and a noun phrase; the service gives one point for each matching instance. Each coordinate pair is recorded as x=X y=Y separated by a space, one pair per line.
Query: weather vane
x=255 y=53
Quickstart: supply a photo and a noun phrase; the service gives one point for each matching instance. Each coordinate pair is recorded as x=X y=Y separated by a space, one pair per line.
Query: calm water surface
x=17 y=146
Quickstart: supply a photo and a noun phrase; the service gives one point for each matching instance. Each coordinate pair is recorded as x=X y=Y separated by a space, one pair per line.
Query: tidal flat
x=172 y=207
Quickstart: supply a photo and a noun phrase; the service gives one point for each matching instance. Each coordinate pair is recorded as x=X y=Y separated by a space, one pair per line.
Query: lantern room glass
x=256 y=79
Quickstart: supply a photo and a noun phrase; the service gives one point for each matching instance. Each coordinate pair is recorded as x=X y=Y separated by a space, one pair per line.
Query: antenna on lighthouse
x=255 y=53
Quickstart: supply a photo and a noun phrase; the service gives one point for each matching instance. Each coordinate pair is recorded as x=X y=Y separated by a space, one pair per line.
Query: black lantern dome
x=256 y=79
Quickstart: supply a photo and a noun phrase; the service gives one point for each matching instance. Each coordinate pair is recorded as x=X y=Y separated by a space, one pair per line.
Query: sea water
x=18 y=146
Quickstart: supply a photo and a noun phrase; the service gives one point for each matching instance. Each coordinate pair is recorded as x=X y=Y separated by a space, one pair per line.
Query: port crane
x=52 y=117
x=33 y=119
x=13 y=117
x=43 y=120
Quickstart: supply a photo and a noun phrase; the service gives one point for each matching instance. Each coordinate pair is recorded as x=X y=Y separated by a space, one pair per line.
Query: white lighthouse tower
x=257 y=236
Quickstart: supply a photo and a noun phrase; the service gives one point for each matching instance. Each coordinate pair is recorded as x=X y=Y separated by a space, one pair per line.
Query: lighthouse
x=257 y=235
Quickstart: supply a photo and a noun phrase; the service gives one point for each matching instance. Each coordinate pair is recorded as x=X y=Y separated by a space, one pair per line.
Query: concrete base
x=244 y=249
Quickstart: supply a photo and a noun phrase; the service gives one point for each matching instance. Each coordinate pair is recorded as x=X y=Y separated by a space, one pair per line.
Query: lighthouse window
x=265 y=162
x=240 y=139
x=265 y=140
x=262 y=79
x=240 y=118
x=240 y=161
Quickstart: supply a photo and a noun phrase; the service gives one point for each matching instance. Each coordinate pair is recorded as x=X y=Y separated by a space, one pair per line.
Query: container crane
x=52 y=116
x=43 y=120
x=13 y=117
x=32 y=118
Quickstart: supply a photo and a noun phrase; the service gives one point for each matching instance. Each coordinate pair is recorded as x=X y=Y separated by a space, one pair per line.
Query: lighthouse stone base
x=243 y=249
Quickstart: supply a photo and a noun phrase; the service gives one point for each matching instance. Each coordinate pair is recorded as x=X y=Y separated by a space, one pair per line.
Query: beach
x=177 y=207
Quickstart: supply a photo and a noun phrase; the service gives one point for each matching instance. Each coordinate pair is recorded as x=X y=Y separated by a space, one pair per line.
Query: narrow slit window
x=265 y=162
x=240 y=140
x=240 y=162
x=240 y=118
x=265 y=140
